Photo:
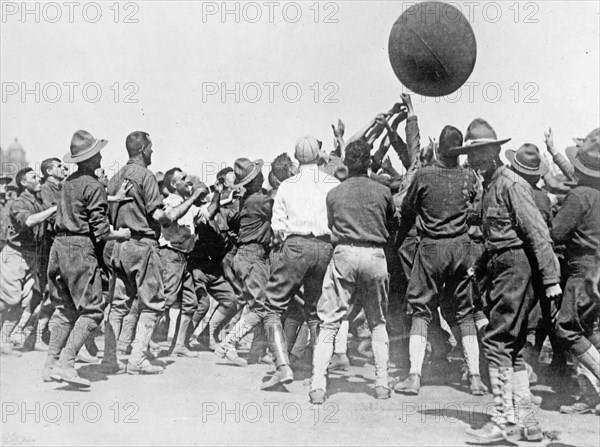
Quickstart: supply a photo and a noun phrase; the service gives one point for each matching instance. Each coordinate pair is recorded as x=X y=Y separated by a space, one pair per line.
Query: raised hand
x=121 y=194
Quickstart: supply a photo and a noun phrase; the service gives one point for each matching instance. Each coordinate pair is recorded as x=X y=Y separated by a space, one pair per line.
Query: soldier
x=359 y=211
x=206 y=265
x=251 y=261
x=53 y=173
x=176 y=243
x=527 y=162
x=441 y=195
x=577 y=225
x=74 y=277
x=514 y=234
x=18 y=258
x=137 y=270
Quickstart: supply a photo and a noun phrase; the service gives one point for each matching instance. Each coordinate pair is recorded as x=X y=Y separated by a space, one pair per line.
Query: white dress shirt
x=299 y=206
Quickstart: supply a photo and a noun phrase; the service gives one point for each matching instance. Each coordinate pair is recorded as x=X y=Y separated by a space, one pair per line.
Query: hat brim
x=97 y=147
x=572 y=156
x=258 y=165
x=542 y=170
x=466 y=149
x=5 y=180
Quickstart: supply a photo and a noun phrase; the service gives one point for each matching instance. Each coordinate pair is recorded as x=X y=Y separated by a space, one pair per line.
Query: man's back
x=300 y=203
x=136 y=214
x=441 y=196
x=358 y=211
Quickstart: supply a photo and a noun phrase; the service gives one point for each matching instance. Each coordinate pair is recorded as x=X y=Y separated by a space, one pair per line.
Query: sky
x=214 y=81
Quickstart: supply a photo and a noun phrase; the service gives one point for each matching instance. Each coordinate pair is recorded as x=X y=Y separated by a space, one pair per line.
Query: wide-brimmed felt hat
x=527 y=160
x=83 y=147
x=5 y=180
x=586 y=158
x=479 y=135
x=246 y=170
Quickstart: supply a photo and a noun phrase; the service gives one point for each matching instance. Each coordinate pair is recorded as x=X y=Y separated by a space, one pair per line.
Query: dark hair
x=47 y=164
x=20 y=176
x=136 y=141
x=358 y=157
x=282 y=167
x=449 y=137
x=168 y=178
x=222 y=173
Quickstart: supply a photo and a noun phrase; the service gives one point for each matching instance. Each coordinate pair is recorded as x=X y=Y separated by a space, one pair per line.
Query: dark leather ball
x=432 y=49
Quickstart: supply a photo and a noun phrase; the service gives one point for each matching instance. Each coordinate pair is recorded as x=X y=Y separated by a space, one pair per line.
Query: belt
x=69 y=233
x=361 y=244
x=323 y=238
x=140 y=236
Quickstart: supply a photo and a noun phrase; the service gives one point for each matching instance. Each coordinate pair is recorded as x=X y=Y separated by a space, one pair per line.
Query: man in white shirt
x=299 y=223
x=176 y=243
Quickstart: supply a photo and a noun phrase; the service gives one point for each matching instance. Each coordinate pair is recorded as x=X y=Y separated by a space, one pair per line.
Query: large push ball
x=432 y=49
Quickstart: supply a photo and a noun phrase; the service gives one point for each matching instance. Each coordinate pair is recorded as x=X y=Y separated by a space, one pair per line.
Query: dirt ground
x=206 y=401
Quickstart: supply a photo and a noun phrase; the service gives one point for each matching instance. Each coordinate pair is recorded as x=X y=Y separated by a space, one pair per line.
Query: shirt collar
x=135 y=161
x=29 y=196
x=497 y=173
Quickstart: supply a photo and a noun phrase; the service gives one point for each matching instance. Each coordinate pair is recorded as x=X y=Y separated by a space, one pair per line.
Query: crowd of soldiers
x=341 y=245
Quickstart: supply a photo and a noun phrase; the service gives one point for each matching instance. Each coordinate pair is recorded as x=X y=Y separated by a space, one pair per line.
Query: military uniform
x=441 y=196
x=136 y=265
x=359 y=211
x=206 y=266
x=19 y=263
x=74 y=274
x=250 y=267
x=577 y=225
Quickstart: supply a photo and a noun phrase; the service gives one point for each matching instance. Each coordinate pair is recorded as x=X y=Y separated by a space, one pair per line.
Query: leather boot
x=313 y=336
x=258 y=348
x=112 y=331
x=278 y=347
x=60 y=328
x=66 y=372
x=291 y=328
x=161 y=333
x=228 y=347
x=138 y=363
x=181 y=349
